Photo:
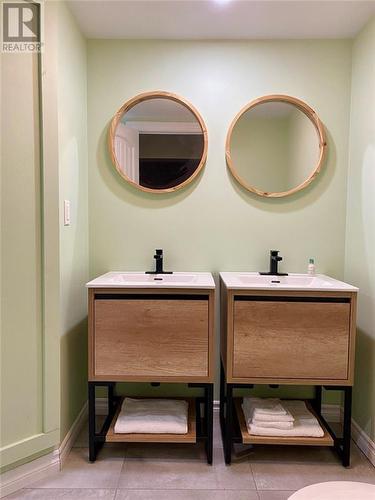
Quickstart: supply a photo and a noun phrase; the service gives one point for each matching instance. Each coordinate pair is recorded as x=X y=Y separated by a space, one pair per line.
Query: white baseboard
x=26 y=474
x=72 y=434
x=364 y=442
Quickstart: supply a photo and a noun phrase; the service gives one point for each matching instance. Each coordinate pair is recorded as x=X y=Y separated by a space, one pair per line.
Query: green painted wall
x=215 y=225
x=21 y=294
x=274 y=153
x=197 y=229
x=259 y=151
x=360 y=234
x=72 y=153
x=44 y=264
x=303 y=148
x=28 y=345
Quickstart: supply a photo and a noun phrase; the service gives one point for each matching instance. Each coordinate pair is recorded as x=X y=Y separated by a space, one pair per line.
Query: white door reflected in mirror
x=158 y=142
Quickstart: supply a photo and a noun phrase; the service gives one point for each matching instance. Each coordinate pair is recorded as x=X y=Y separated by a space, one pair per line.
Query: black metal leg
x=222 y=395
x=92 y=422
x=342 y=444
x=111 y=397
x=317 y=403
x=209 y=417
x=228 y=425
x=347 y=426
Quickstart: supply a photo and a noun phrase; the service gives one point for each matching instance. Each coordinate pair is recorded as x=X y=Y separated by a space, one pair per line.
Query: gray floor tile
x=182 y=467
x=185 y=495
x=274 y=495
x=166 y=495
x=161 y=451
x=218 y=442
x=167 y=472
x=237 y=476
x=65 y=494
x=79 y=473
x=241 y=495
x=293 y=468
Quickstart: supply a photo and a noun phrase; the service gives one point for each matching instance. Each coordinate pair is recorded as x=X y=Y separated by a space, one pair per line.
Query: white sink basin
x=142 y=280
x=319 y=282
x=151 y=278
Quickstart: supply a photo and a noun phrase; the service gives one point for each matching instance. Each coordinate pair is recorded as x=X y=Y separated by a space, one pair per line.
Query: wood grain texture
x=247 y=438
x=211 y=337
x=151 y=339
x=190 y=437
x=353 y=335
x=291 y=340
x=91 y=330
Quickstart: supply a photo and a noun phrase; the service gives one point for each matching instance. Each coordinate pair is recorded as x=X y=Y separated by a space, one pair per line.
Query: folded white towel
x=152 y=416
x=273 y=418
x=305 y=424
x=300 y=429
x=274 y=425
x=264 y=406
x=252 y=405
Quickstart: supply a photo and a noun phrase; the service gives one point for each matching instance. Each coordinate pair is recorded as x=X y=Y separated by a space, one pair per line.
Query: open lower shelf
x=247 y=438
x=190 y=437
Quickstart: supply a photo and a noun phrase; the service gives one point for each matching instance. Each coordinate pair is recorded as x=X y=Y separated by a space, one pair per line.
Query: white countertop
x=292 y=282
x=125 y=279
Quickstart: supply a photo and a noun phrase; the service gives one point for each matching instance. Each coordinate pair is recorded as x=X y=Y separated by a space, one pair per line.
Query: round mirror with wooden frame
x=158 y=142
x=275 y=146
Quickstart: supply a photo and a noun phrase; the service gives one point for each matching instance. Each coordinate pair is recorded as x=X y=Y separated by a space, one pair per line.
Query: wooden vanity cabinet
x=276 y=337
x=151 y=335
x=288 y=337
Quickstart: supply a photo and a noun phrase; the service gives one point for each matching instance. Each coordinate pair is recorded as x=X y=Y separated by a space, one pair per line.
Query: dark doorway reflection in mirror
x=158 y=142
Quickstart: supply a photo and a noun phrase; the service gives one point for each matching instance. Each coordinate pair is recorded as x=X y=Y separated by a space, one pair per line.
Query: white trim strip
x=26 y=474
x=188 y=128
x=72 y=434
x=364 y=442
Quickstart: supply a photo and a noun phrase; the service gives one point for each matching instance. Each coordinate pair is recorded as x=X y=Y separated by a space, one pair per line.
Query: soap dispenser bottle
x=311 y=267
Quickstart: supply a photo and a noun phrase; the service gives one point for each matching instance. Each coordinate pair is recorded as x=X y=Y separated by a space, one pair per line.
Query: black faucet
x=274 y=264
x=159 y=264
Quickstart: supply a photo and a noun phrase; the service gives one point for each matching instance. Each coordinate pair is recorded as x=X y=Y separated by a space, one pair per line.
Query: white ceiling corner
x=221 y=19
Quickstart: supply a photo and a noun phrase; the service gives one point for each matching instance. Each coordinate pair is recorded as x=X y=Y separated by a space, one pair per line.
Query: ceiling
x=221 y=19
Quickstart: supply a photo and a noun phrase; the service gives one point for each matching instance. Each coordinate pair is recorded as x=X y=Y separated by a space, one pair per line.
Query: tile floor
x=179 y=472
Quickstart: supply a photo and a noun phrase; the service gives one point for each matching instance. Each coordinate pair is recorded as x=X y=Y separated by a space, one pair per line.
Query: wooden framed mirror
x=158 y=142
x=275 y=146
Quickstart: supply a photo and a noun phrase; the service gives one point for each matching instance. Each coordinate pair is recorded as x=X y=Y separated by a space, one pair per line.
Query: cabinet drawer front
x=151 y=338
x=286 y=340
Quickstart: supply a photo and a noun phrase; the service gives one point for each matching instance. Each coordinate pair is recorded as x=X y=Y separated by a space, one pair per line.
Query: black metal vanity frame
x=204 y=424
x=230 y=426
